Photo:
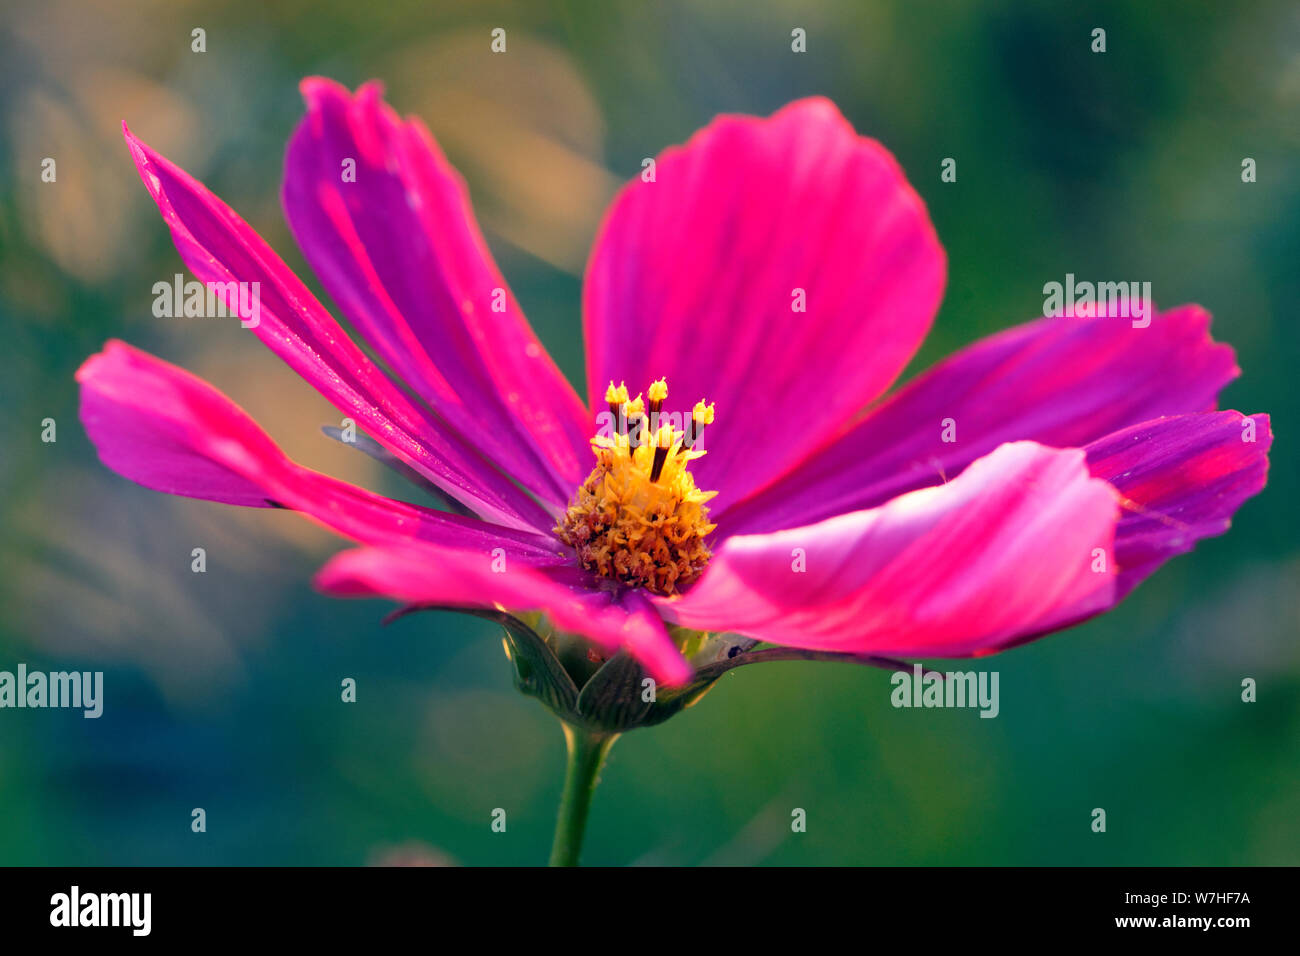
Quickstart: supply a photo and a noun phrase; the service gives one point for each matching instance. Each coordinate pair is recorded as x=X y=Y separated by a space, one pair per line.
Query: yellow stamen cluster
x=638 y=518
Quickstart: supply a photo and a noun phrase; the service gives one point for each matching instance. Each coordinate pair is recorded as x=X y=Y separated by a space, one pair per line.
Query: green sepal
x=609 y=697
x=538 y=672
x=614 y=700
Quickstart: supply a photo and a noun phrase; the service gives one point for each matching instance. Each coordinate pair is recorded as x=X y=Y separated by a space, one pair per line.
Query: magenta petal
x=1181 y=480
x=471 y=579
x=136 y=410
x=693 y=277
x=1010 y=547
x=219 y=247
x=163 y=428
x=396 y=244
x=1061 y=382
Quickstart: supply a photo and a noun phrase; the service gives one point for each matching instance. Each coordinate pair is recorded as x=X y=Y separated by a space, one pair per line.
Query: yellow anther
x=657 y=392
x=701 y=415
x=616 y=398
x=634 y=414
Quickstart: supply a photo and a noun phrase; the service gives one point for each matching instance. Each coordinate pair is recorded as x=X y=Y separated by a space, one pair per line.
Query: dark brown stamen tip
x=619 y=411
x=633 y=433
x=661 y=456
x=693 y=432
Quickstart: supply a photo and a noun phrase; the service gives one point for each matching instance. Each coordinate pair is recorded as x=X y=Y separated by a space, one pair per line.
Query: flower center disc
x=638 y=518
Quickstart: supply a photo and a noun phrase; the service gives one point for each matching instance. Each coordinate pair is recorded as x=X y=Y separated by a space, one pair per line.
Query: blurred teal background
x=222 y=690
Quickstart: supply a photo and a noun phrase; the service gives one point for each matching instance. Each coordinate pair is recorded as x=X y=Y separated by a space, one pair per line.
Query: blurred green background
x=222 y=690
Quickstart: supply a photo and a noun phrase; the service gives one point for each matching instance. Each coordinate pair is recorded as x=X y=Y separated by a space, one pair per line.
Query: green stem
x=587 y=752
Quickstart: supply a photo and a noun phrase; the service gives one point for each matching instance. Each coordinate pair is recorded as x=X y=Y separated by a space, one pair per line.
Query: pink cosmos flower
x=784 y=269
